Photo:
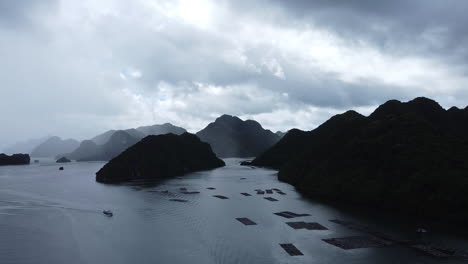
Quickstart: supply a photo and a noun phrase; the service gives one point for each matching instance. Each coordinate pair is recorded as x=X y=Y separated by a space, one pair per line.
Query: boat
x=108 y=213
x=421 y=230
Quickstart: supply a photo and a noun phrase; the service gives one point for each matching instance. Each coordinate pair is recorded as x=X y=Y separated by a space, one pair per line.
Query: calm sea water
x=51 y=216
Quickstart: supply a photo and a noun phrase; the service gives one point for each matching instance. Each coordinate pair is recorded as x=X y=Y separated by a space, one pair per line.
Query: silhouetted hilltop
x=408 y=156
x=161 y=156
x=15 y=159
x=54 y=146
x=422 y=108
x=229 y=136
x=290 y=145
x=296 y=141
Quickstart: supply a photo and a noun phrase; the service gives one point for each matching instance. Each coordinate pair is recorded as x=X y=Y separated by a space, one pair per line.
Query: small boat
x=421 y=230
x=108 y=213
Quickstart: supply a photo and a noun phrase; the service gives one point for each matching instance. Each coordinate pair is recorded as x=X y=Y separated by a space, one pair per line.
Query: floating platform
x=291 y=250
x=287 y=214
x=441 y=252
x=365 y=229
x=428 y=249
x=308 y=226
x=158 y=191
x=220 y=197
x=246 y=194
x=354 y=242
x=246 y=221
x=178 y=200
x=271 y=199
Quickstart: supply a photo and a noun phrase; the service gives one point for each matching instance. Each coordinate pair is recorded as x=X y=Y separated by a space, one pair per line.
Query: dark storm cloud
x=397 y=26
x=425 y=28
x=75 y=68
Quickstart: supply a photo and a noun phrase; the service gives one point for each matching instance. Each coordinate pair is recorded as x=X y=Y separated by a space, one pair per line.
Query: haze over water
x=51 y=216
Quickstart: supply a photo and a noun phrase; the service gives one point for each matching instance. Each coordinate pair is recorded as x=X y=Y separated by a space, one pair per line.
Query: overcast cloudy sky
x=76 y=68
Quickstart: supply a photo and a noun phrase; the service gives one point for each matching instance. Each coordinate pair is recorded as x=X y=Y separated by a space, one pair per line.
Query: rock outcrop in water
x=63 y=160
x=15 y=159
x=407 y=156
x=54 y=146
x=229 y=136
x=158 y=157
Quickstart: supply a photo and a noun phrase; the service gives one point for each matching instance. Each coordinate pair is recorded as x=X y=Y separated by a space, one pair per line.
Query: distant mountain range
x=25 y=146
x=161 y=129
x=229 y=136
x=406 y=156
x=54 y=146
x=141 y=132
x=280 y=133
x=106 y=136
x=119 y=141
x=113 y=142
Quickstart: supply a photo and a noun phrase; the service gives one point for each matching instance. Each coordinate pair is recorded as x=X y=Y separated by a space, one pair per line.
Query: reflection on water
x=52 y=216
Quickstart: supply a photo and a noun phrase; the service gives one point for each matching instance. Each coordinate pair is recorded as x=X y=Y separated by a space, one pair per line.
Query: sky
x=78 y=68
